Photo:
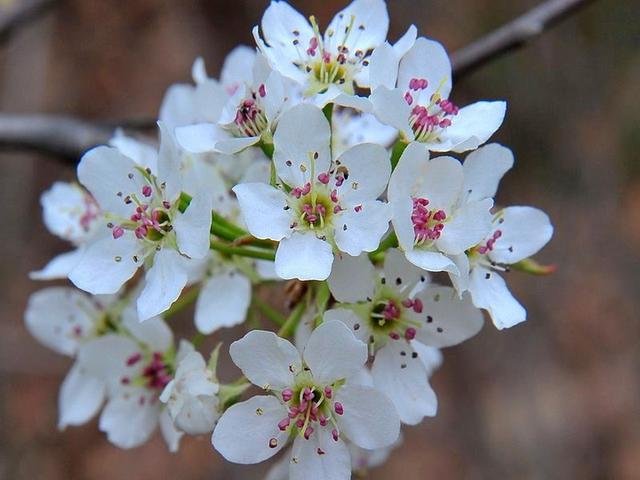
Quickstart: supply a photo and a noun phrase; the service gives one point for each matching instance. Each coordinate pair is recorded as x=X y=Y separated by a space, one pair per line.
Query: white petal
x=460 y=280
x=427 y=59
x=468 y=227
x=483 y=169
x=333 y=352
x=169 y=162
x=404 y=43
x=390 y=107
x=163 y=283
x=302 y=132
x=368 y=169
x=245 y=430
x=192 y=227
x=402 y=207
x=332 y=463
x=178 y=106
x=153 y=332
x=473 y=125
x=489 y=291
x=63 y=207
x=104 y=171
x=353 y=321
x=361 y=231
x=279 y=22
x=303 y=256
x=81 y=396
x=446 y=319
x=199 y=138
x=279 y=469
x=383 y=67
x=223 y=302
x=352 y=279
x=142 y=153
x=170 y=434
x=129 y=421
x=400 y=273
x=525 y=230
x=402 y=377
x=263 y=210
x=106 y=264
x=430 y=357
x=370 y=26
x=232 y=145
x=266 y=359
x=60 y=318
x=106 y=357
x=440 y=181
x=234 y=69
x=431 y=261
x=370 y=419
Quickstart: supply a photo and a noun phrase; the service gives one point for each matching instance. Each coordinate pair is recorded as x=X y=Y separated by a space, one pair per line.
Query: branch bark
x=68 y=138
x=19 y=13
x=513 y=35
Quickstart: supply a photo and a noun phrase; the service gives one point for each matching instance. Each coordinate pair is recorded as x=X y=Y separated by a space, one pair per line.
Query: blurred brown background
x=555 y=398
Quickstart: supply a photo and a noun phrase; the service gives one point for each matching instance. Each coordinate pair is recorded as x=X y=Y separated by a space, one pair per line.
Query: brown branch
x=20 y=12
x=68 y=138
x=513 y=35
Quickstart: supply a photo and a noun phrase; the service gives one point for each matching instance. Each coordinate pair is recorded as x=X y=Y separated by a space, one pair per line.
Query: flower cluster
x=334 y=160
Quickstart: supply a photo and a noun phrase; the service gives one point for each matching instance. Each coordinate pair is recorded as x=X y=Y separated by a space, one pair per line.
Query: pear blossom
x=394 y=313
x=322 y=205
x=433 y=216
x=192 y=395
x=325 y=66
x=248 y=117
x=135 y=368
x=311 y=401
x=143 y=225
x=72 y=214
x=416 y=100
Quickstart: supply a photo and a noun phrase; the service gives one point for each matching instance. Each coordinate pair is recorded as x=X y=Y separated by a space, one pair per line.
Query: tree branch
x=513 y=35
x=20 y=12
x=68 y=138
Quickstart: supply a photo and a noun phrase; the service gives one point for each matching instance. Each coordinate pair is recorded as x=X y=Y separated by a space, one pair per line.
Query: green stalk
x=186 y=299
x=268 y=311
x=242 y=251
x=396 y=153
x=292 y=321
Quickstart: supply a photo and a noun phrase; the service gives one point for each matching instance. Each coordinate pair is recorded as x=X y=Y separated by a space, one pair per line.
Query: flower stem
x=269 y=312
x=292 y=321
x=242 y=251
x=396 y=153
x=186 y=299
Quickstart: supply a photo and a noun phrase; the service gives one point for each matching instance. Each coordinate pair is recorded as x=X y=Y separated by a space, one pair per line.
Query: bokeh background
x=555 y=398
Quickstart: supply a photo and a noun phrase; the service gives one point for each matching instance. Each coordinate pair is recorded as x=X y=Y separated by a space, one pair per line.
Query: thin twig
x=20 y=12
x=68 y=138
x=513 y=35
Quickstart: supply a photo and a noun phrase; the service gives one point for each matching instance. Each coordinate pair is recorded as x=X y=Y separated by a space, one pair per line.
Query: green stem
x=396 y=153
x=186 y=299
x=267 y=148
x=292 y=321
x=328 y=111
x=268 y=311
x=218 y=219
x=242 y=251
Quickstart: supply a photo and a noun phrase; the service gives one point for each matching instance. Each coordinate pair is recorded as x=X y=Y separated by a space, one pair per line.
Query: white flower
x=325 y=205
x=416 y=103
x=398 y=315
x=329 y=64
x=144 y=224
x=135 y=368
x=249 y=116
x=191 y=396
x=351 y=128
x=516 y=234
x=72 y=214
x=313 y=402
x=433 y=216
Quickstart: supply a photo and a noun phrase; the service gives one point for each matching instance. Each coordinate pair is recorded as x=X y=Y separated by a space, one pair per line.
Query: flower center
x=155 y=374
x=250 y=119
x=331 y=62
x=488 y=246
x=387 y=319
x=428 y=121
x=151 y=219
x=427 y=223
x=90 y=213
x=309 y=407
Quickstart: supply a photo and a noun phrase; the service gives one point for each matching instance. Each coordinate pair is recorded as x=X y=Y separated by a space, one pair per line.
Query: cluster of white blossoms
x=335 y=161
